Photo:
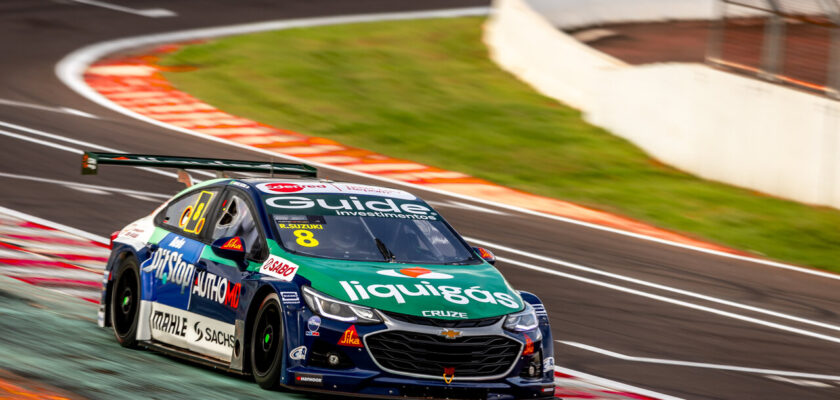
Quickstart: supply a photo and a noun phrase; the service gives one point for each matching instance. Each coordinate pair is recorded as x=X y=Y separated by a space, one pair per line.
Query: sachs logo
x=414 y=272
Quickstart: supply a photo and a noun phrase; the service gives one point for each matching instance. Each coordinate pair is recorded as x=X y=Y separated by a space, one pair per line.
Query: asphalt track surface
x=662 y=330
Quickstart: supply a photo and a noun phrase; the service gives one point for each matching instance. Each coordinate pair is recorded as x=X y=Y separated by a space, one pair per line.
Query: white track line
x=54 y=225
x=762 y=371
x=147 y=12
x=696 y=295
x=70 y=70
x=63 y=110
x=613 y=384
x=127 y=192
x=680 y=303
x=87 y=145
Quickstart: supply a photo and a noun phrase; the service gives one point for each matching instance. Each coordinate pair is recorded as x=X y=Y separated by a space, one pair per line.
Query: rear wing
x=91 y=161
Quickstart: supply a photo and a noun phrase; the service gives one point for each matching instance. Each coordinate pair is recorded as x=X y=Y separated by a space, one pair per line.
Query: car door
x=170 y=271
x=218 y=281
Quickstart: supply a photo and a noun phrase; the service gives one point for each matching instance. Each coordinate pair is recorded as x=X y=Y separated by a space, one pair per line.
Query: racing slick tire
x=125 y=302
x=267 y=342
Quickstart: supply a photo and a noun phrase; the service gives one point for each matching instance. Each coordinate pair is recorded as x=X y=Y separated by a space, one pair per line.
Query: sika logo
x=235 y=243
x=350 y=338
x=414 y=272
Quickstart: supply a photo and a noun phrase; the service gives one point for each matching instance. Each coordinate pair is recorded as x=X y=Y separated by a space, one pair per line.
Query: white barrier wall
x=568 y=14
x=710 y=123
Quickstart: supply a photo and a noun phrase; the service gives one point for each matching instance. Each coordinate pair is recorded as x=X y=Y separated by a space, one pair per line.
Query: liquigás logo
x=452 y=294
x=366 y=206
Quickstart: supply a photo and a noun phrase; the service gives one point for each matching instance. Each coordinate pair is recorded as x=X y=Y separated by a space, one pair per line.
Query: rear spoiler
x=91 y=161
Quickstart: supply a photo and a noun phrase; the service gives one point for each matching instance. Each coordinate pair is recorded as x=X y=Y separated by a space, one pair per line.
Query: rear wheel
x=267 y=343
x=125 y=302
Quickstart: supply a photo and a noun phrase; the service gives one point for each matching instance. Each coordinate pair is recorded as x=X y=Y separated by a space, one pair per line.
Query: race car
x=315 y=285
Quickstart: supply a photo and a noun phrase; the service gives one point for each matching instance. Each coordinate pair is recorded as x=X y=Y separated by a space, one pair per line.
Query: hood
x=436 y=291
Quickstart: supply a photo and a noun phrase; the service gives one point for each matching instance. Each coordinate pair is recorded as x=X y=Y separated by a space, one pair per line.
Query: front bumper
x=359 y=373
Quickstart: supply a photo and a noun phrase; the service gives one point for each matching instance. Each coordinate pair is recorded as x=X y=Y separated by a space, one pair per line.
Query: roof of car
x=286 y=186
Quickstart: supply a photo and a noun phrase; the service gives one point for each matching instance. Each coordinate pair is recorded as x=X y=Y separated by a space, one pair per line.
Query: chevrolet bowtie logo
x=450 y=333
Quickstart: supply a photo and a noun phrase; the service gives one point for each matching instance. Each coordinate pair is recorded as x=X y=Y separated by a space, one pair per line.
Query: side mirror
x=230 y=248
x=486 y=255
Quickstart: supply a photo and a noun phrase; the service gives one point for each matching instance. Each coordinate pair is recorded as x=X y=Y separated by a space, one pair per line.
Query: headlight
x=522 y=321
x=329 y=307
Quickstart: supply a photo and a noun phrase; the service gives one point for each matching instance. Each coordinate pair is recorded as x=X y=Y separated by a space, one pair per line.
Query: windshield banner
x=351 y=206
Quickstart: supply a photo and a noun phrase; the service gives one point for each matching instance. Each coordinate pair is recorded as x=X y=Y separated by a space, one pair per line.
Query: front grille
x=429 y=354
x=440 y=323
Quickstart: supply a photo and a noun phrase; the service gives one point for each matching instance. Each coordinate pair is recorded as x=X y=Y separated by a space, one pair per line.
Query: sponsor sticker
x=448 y=374
x=548 y=363
x=350 y=338
x=208 y=335
x=299 y=353
x=414 y=272
x=279 y=268
x=239 y=184
x=290 y=298
x=217 y=288
x=172 y=263
x=192 y=331
x=529 y=346
x=446 y=314
x=169 y=323
x=309 y=379
x=313 y=324
x=354 y=206
x=235 y=243
x=193 y=217
x=300 y=226
x=137 y=233
x=453 y=294
x=335 y=188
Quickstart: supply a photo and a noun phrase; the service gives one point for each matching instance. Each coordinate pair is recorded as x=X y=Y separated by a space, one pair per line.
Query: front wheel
x=267 y=342
x=125 y=302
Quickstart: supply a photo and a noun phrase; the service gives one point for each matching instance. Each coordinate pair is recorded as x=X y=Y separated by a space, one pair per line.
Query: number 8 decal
x=305 y=238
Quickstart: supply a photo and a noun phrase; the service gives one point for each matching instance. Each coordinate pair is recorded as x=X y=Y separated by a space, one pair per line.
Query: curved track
x=674 y=320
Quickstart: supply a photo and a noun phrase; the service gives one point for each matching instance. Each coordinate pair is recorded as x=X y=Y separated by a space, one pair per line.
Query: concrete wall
x=569 y=14
x=710 y=123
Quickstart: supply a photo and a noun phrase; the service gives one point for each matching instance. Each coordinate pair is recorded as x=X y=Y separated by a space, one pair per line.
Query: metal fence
x=794 y=42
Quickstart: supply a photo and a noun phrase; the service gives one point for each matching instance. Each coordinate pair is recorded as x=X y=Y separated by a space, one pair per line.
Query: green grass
x=427 y=91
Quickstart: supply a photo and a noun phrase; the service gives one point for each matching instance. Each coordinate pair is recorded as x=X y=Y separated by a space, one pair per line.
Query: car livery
x=316 y=285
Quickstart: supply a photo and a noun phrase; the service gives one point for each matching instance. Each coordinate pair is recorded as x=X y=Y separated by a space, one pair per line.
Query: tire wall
x=710 y=123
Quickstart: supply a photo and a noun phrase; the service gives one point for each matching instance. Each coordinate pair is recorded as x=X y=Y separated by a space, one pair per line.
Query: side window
x=189 y=213
x=237 y=219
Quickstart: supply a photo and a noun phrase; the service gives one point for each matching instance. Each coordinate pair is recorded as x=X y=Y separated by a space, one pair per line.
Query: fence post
x=714 y=47
x=832 y=10
x=773 y=47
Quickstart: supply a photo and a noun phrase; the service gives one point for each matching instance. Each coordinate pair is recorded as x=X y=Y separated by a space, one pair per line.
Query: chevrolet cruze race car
x=311 y=284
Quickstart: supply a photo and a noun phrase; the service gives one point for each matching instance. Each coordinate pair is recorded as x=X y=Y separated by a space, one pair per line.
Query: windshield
x=369 y=229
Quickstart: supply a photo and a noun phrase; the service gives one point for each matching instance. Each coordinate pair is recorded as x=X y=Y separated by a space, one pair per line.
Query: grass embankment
x=427 y=91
